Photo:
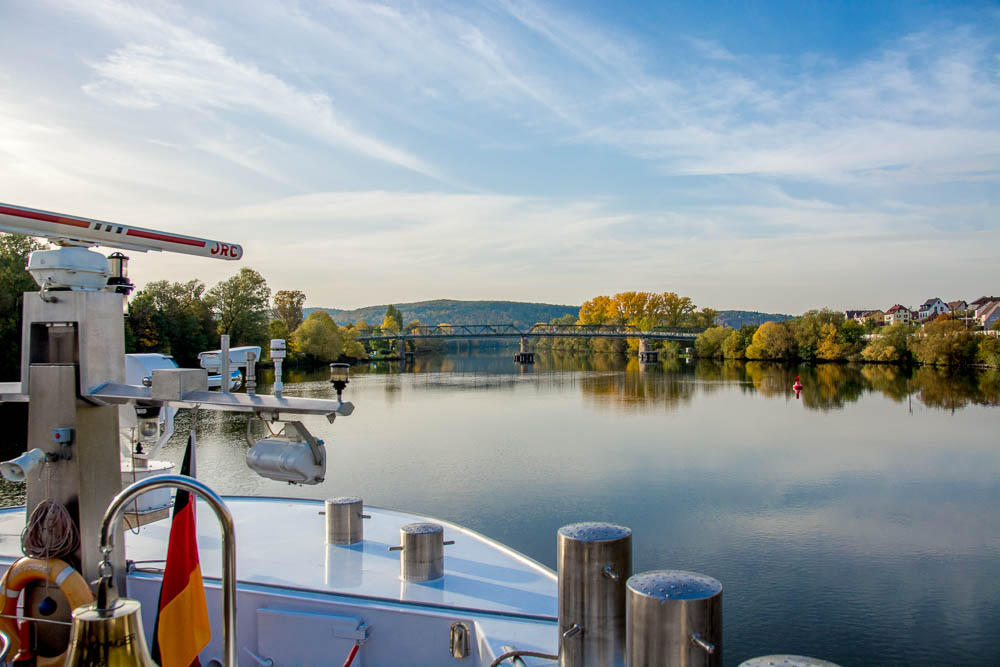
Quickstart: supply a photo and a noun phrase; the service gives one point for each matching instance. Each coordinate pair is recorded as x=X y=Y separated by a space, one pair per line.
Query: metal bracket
x=458 y=640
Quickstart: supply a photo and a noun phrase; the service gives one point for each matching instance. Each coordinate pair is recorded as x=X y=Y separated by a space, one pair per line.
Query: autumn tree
x=773 y=340
x=890 y=345
x=733 y=347
x=393 y=320
x=241 y=308
x=808 y=331
x=288 y=308
x=318 y=339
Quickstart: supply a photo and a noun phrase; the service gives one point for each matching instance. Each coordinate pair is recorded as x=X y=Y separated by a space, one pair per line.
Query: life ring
x=27 y=570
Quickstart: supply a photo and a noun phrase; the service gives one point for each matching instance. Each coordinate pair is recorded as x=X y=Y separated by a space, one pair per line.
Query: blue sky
x=774 y=156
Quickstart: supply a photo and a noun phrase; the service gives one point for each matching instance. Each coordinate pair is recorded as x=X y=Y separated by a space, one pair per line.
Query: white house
x=990 y=315
x=898 y=314
x=932 y=308
x=979 y=304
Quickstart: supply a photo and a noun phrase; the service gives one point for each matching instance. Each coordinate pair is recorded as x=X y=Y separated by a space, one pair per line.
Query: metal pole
x=595 y=560
x=224 y=364
x=674 y=617
x=113 y=515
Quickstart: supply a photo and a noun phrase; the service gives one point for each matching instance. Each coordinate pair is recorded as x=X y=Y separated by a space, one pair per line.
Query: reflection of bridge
x=468 y=331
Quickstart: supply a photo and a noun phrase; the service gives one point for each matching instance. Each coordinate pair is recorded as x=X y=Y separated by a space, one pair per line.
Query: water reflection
x=672 y=382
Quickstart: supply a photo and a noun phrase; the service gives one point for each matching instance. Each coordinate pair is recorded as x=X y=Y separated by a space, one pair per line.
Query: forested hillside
x=738 y=318
x=457 y=312
x=519 y=313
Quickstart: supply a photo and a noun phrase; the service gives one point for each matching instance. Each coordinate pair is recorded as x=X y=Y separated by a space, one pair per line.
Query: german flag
x=182 y=628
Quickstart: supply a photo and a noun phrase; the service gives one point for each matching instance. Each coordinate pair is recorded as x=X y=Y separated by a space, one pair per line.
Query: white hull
x=303 y=602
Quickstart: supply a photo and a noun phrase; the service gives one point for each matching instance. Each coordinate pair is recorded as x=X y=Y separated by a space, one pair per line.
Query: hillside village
x=982 y=313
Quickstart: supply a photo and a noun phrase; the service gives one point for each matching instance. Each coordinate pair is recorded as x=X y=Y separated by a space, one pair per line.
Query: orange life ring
x=27 y=570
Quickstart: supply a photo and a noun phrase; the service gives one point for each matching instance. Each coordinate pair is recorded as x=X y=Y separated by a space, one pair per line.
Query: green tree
x=288 y=307
x=989 y=350
x=734 y=347
x=14 y=281
x=241 y=308
x=944 y=342
x=393 y=320
x=773 y=340
x=172 y=318
x=890 y=345
x=353 y=348
x=704 y=318
x=318 y=339
x=709 y=342
x=808 y=331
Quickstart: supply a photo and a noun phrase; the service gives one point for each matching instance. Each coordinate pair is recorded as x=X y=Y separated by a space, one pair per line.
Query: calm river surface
x=858 y=523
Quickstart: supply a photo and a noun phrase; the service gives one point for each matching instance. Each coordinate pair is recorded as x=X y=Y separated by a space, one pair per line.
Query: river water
x=858 y=522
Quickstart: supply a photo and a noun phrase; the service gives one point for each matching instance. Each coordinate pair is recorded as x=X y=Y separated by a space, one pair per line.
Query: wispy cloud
x=167 y=64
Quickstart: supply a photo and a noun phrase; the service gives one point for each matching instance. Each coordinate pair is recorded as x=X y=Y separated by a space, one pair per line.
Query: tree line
x=643 y=310
x=826 y=335
x=185 y=318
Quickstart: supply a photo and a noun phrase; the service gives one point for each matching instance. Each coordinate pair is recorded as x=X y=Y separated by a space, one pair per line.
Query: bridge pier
x=524 y=356
x=646 y=355
x=401 y=350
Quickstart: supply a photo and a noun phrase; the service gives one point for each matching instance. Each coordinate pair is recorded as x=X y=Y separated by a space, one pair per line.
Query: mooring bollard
x=787 y=661
x=673 y=618
x=595 y=560
x=423 y=551
x=344 y=520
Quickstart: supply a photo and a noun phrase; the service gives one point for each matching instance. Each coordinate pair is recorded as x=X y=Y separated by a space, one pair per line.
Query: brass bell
x=108 y=632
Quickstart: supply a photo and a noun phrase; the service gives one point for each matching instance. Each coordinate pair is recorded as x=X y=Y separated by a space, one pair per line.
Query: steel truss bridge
x=681 y=334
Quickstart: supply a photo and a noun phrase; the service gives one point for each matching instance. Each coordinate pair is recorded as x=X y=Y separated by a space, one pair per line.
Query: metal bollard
x=673 y=618
x=787 y=661
x=423 y=551
x=595 y=560
x=344 y=520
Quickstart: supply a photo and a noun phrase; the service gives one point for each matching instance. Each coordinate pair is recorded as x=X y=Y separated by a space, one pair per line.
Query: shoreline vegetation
x=184 y=318
x=827 y=336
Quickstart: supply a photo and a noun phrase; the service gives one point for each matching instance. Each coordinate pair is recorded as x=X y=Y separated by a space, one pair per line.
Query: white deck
x=284 y=564
x=282 y=543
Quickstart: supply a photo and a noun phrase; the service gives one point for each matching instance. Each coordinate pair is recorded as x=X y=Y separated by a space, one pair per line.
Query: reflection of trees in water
x=825 y=386
x=891 y=381
x=639 y=390
x=770 y=379
x=830 y=386
x=989 y=387
x=943 y=388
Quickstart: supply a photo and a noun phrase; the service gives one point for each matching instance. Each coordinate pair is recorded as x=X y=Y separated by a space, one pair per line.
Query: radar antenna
x=71 y=230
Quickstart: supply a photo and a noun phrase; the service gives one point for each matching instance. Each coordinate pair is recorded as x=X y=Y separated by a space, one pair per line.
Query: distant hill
x=738 y=318
x=519 y=313
x=449 y=311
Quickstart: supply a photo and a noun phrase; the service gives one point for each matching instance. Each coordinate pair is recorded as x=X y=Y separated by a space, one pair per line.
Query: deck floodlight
x=292 y=455
x=339 y=374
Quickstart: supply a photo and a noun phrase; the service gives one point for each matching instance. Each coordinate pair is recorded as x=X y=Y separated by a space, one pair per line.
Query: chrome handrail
x=113 y=515
x=4 y=646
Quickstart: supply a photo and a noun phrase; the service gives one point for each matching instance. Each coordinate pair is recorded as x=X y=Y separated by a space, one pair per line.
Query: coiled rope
x=50 y=532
